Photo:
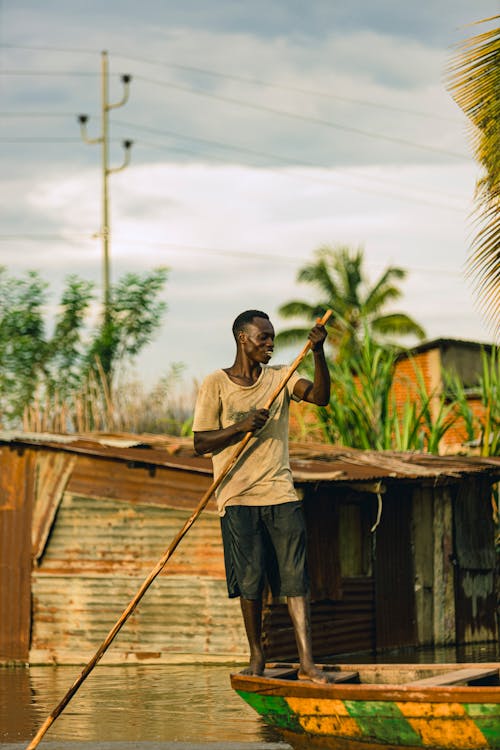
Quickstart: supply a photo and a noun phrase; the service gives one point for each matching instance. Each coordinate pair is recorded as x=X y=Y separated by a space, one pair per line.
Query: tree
x=34 y=365
x=475 y=86
x=134 y=314
x=337 y=275
x=22 y=339
x=63 y=366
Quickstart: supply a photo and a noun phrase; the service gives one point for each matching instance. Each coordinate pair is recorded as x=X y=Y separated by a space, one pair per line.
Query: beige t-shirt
x=261 y=475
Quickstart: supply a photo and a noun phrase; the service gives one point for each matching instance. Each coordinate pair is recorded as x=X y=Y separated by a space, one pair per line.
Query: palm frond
x=397 y=323
x=291 y=337
x=474 y=82
x=383 y=290
x=298 y=308
x=318 y=273
x=338 y=273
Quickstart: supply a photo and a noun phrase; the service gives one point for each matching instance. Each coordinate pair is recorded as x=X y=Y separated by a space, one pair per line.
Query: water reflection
x=146 y=703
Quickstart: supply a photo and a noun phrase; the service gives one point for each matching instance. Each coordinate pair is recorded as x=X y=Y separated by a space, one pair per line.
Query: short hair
x=246 y=317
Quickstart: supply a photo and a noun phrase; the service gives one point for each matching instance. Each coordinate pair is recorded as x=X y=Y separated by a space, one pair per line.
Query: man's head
x=254 y=335
x=244 y=318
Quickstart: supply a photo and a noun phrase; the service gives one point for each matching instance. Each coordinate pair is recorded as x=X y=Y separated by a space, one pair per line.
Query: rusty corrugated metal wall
x=95 y=518
x=441 y=547
x=345 y=625
x=474 y=557
x=340 y=568
x=394 y=573
x=423 y=521
x=99 y=552
x=16 y=500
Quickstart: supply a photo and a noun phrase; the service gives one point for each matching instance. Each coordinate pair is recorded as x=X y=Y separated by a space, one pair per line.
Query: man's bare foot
x=255 y=666
x=313 y=674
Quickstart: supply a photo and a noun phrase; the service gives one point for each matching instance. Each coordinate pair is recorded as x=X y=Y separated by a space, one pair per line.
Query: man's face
x=257 y=340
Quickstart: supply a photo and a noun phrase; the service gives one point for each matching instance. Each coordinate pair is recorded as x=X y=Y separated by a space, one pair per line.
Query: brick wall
x=303 y=417
x=405 y=387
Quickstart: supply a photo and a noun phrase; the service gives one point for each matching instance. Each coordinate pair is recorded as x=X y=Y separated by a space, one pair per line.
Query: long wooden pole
x=165 y=557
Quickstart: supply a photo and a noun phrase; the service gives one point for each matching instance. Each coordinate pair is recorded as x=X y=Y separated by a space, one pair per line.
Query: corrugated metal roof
x=311 y=462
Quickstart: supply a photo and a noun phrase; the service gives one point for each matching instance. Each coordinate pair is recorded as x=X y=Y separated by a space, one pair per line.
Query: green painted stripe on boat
x=274 y=709
x=486 y=716
x=383 y=721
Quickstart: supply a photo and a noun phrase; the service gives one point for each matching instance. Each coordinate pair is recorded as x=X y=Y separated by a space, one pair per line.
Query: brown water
x=128 y=703
x=144 y=704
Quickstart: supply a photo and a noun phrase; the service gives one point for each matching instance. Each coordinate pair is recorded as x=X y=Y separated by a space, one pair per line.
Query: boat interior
x=411 y=675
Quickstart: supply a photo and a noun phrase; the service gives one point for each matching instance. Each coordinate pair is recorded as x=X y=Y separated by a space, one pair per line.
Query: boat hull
x=375 y=716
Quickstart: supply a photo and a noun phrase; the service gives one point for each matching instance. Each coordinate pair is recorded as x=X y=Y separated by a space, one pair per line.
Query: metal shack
x=83 y=519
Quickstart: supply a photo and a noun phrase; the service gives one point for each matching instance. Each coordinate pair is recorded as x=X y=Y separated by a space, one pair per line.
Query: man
x=262 y=521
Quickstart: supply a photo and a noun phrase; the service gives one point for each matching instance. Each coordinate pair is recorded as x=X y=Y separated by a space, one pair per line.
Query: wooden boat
x=380 y=706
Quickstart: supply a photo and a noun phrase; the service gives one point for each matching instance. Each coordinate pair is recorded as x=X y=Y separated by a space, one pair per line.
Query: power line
x=41 y=48
x=283 y=87
x=270 y=256
x=218 y=144
x=251 y=81
x=36 y=114
x=41 y=236
x=198 y=249
x=330 y=182
x=310 y=178
x=303 y=118
x=282 y=113
x=25 y=139
x=285 y=160
x=38 y=72
x=38 y=139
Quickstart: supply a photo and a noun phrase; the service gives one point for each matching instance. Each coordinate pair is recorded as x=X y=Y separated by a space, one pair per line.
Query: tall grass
x=483 y=426
x=363 y=412
x=86 y=409
x=130 y=406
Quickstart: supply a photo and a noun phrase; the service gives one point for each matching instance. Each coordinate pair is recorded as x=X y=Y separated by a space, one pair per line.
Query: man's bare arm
x=318 y=391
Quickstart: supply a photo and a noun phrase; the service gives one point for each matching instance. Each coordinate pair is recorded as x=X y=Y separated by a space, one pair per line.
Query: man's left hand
x=317 y=337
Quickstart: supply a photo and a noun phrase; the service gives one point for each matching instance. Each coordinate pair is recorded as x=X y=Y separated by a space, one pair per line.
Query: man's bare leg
x=298 y=607
x=252 y=617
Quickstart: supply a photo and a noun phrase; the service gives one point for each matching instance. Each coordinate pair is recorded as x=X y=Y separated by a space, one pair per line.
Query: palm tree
x=475 y=86
x=337 y=275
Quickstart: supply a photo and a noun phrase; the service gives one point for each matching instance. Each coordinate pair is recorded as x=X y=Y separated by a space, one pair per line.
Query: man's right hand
x=255 y=420
x=214 y=440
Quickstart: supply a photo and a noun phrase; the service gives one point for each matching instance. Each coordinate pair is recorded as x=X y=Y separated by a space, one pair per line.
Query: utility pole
x=103 y=139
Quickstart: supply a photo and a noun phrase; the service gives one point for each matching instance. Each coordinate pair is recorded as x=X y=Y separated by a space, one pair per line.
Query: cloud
x=325 y=125
x=345 y=96
x=263 y=18
x=234 y=237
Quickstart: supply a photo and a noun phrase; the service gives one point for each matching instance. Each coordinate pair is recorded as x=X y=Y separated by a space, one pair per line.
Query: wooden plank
x=344 y=676
x=335 y=677
x=287 y=672
x=53 y=471
x=17 y=480
x=457 y=677
x=281 y=673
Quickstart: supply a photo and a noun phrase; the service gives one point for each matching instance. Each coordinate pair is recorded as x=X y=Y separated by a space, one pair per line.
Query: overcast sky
x=261 y=131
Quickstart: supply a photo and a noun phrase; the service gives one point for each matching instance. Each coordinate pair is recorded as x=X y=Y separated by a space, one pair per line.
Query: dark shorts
x=265 y=542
